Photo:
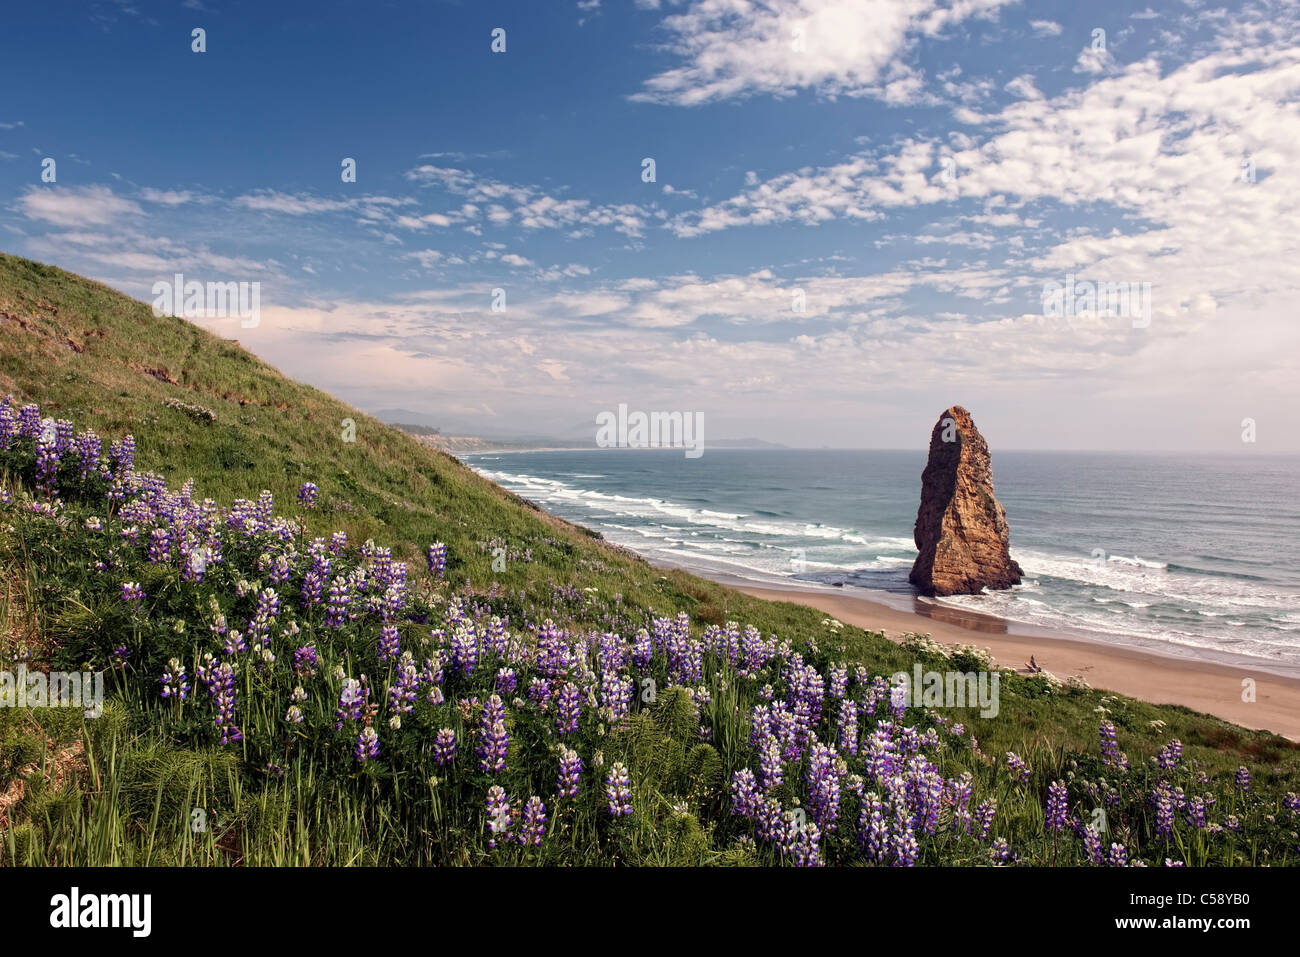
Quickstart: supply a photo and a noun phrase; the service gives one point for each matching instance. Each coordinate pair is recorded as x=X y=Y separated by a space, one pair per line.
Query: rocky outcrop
x=961 y=529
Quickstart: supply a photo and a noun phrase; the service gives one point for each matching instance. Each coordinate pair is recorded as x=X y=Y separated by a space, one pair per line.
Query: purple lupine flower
x=824 y=776
x=406 y=687
x=960 y=791
x=234 y=642
x=744 y=793
x=220 y=682
x=1242 y=779
x=313 y=584
x=132 y=593
x=539 y=691
x=174 y=682
x=771 y=772
x=642 y=648
x=897 y=701
x=1110 y=751
x=566 y=784
x=281 y=571
x=305 y=661
x=390 y=643
x=1000 y=851
x=1092 y=846
x=771 y=824
x=498 y=814
x=554 y=654
x=847 y=734
x=926 y=787
x=160 y=546
x=47 y=464
x=352 y=699
x=1058 y=805
x=122 y=454
x=307 y=495
x=462 y=648
x=506 y=682
x=340 y=598
x=444 y=747
x=805 y=846
x=902 y=840
x=1196 y=812
x=873 y=830
x=1018 y=767
x=493 y=741
x=268 y=607
x=1163 y=798
x=618 y=790
x=881 y=757
x=8 y=423
x=568 y=708
x=1169 y=754
x=533 y=828
x=367 y=745
x=839 y=682
x=984 y=814
x=1117 y=856
x=909 y=742
x=616 y=692
x=436 y=559
x=88 y=449
x=29 y=421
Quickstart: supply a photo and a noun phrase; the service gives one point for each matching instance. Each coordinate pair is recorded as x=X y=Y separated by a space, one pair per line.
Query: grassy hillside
x=122 y=788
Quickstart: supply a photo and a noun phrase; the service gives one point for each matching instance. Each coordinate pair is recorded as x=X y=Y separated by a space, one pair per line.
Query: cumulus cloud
x=76 y=206
x=742 y=48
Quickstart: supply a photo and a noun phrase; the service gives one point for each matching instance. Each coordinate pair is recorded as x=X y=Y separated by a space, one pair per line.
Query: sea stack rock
x=961 y=529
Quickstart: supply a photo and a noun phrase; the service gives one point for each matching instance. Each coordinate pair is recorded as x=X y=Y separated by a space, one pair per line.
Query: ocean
x=1190 y=555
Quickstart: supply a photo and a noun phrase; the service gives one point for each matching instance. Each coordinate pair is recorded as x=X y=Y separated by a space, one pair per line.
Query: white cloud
x=290 y=204
x=76 y=206
x=528 y=206
x=737 y=48
x=168 y=197
x=428 y=258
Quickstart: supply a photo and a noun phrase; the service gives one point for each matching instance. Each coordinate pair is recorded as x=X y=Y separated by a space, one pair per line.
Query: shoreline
x=1205 y=686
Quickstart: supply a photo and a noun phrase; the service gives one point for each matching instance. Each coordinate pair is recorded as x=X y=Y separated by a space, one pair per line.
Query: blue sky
x=917 y=169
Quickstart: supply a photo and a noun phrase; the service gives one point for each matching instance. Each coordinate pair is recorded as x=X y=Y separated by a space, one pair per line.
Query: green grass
x=119 y=789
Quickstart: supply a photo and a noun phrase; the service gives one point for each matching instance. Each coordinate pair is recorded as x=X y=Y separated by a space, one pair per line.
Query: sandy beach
x=1202 y=686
